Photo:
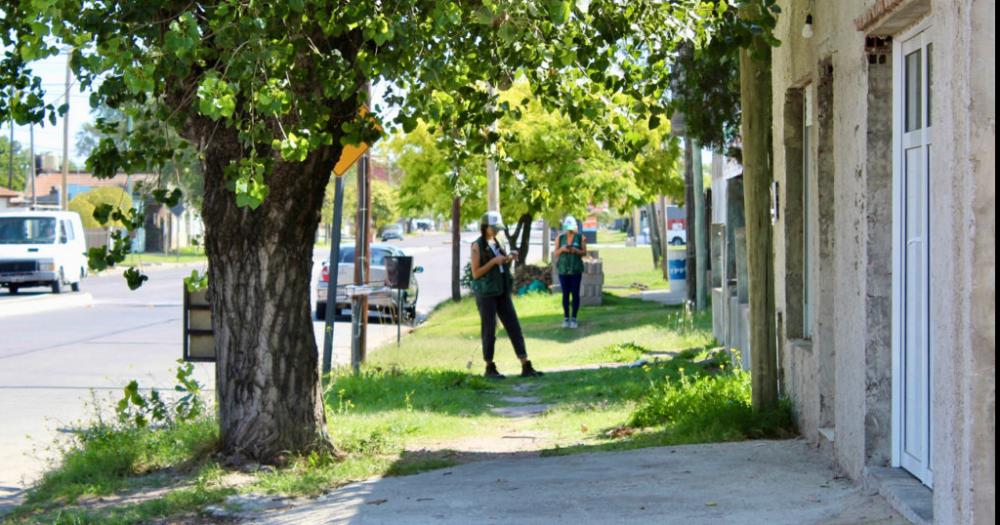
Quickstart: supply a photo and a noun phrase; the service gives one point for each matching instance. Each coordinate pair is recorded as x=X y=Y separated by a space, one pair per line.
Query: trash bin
x=677 y=268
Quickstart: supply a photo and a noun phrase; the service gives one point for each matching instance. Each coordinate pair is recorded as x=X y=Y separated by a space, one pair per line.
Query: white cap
x=569 y=223
x=492 y=218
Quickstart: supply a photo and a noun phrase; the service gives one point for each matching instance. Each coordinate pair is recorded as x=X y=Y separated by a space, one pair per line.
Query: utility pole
x=689 y=217
x=755 y=101
x=699 y=227
x=456 y=246
x=359 y=303
x=10 y=148
x=64 y=195
x=492 y=177
x=636 y=224
x=31 y=148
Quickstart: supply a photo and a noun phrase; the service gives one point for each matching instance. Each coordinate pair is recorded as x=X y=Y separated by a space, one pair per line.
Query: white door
x=912 y=371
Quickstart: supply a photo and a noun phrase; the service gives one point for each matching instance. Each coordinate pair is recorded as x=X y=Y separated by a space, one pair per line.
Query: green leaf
x=134 y=278
x=216 y=98
x=102 y=213
x=559 y=11
x=196 y=281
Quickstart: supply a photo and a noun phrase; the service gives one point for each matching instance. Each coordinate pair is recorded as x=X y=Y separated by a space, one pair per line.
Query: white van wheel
x=57 y=284
x=76 y=286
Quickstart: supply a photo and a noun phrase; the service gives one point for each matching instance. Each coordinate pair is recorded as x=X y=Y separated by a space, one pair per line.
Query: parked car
x=392 y=231
x=677 y=237
x=345 y=276
x=42 y=248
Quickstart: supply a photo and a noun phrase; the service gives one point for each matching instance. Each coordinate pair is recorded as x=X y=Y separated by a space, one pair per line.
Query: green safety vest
x=495 y=282
x=569 y=263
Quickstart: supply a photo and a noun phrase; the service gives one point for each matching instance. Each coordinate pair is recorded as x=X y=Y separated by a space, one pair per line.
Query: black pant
x=489 y=309
x=570 y=284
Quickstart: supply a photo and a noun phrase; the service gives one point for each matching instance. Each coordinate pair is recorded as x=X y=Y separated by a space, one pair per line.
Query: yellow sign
x=352 y=152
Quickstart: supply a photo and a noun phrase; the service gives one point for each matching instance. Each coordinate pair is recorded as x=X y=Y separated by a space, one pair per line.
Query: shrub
x=710 y=408
x=85 y=204
x=527 y=273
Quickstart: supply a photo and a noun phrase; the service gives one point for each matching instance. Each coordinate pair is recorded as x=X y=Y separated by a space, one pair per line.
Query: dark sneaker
x=492 y=372
x=529 y=371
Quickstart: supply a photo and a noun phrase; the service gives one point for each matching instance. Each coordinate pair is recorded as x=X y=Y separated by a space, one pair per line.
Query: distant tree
x=554 y=167
x=88 y=201
x=22 y=165
x=182 y=169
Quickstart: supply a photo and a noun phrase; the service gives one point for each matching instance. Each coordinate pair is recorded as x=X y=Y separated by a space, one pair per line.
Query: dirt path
x=517 y=437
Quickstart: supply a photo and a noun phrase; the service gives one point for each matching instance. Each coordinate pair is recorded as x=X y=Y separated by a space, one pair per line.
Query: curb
x=44 y=303
x=120 y=269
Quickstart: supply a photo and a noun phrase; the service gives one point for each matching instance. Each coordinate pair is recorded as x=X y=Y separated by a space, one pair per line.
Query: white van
x=42 y=248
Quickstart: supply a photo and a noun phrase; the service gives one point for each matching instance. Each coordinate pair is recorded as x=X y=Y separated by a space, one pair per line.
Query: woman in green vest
x=570 y=249
x=492 y=284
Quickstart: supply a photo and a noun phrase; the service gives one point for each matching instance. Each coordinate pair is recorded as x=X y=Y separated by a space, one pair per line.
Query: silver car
x=383 y=302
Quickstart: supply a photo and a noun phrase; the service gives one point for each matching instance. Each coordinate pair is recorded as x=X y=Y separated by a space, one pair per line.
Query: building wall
x=964 y=262
x=841 y=379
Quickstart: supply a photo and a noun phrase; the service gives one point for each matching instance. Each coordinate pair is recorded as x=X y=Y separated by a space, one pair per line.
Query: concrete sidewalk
x=665 y=297
x=765 y=482
x=379 y=335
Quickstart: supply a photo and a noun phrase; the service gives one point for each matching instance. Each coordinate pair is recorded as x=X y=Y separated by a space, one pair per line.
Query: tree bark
x=260 y=261
x=522 y=238
x=689 y=219
x=456 y=249
x=545 y=242
x=661 y=219
x=655 y=240
x=755 y=99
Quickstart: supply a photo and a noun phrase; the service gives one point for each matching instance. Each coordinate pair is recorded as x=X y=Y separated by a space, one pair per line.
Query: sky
x=49 y=138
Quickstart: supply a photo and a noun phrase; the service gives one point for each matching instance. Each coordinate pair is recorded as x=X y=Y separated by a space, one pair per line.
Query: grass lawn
x=185 y=255
x=624 y=267
x=611 y=237
x=450 y=338
x=425 y=406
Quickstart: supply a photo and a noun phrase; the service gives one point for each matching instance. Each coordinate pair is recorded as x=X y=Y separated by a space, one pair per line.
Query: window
x=378 y=255
x=27 y=230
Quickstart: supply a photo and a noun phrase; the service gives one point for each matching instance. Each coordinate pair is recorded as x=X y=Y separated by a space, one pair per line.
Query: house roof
x=46 y=182
x=379 y=171
x=8 y=193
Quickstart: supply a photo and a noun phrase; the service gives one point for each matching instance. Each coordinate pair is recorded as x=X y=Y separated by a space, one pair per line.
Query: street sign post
x=350 y=155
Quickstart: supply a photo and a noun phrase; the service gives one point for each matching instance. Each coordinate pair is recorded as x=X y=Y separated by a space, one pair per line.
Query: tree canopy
x=268 y=93
x=22 y=165
x=549 y=165
x=88 y=201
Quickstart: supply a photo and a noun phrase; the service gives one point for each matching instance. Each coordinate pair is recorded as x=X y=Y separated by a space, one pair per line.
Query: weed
x=707 y=408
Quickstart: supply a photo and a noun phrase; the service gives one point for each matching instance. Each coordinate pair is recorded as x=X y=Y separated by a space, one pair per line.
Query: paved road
x=54 y=362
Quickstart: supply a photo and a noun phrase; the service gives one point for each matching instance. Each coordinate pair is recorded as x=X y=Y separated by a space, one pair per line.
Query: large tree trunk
x=755 y=99
x=456 y=249
x=260 y=261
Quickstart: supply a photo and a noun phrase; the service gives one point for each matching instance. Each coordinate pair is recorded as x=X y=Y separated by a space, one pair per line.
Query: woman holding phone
x=492 y=284
x=570 y=249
